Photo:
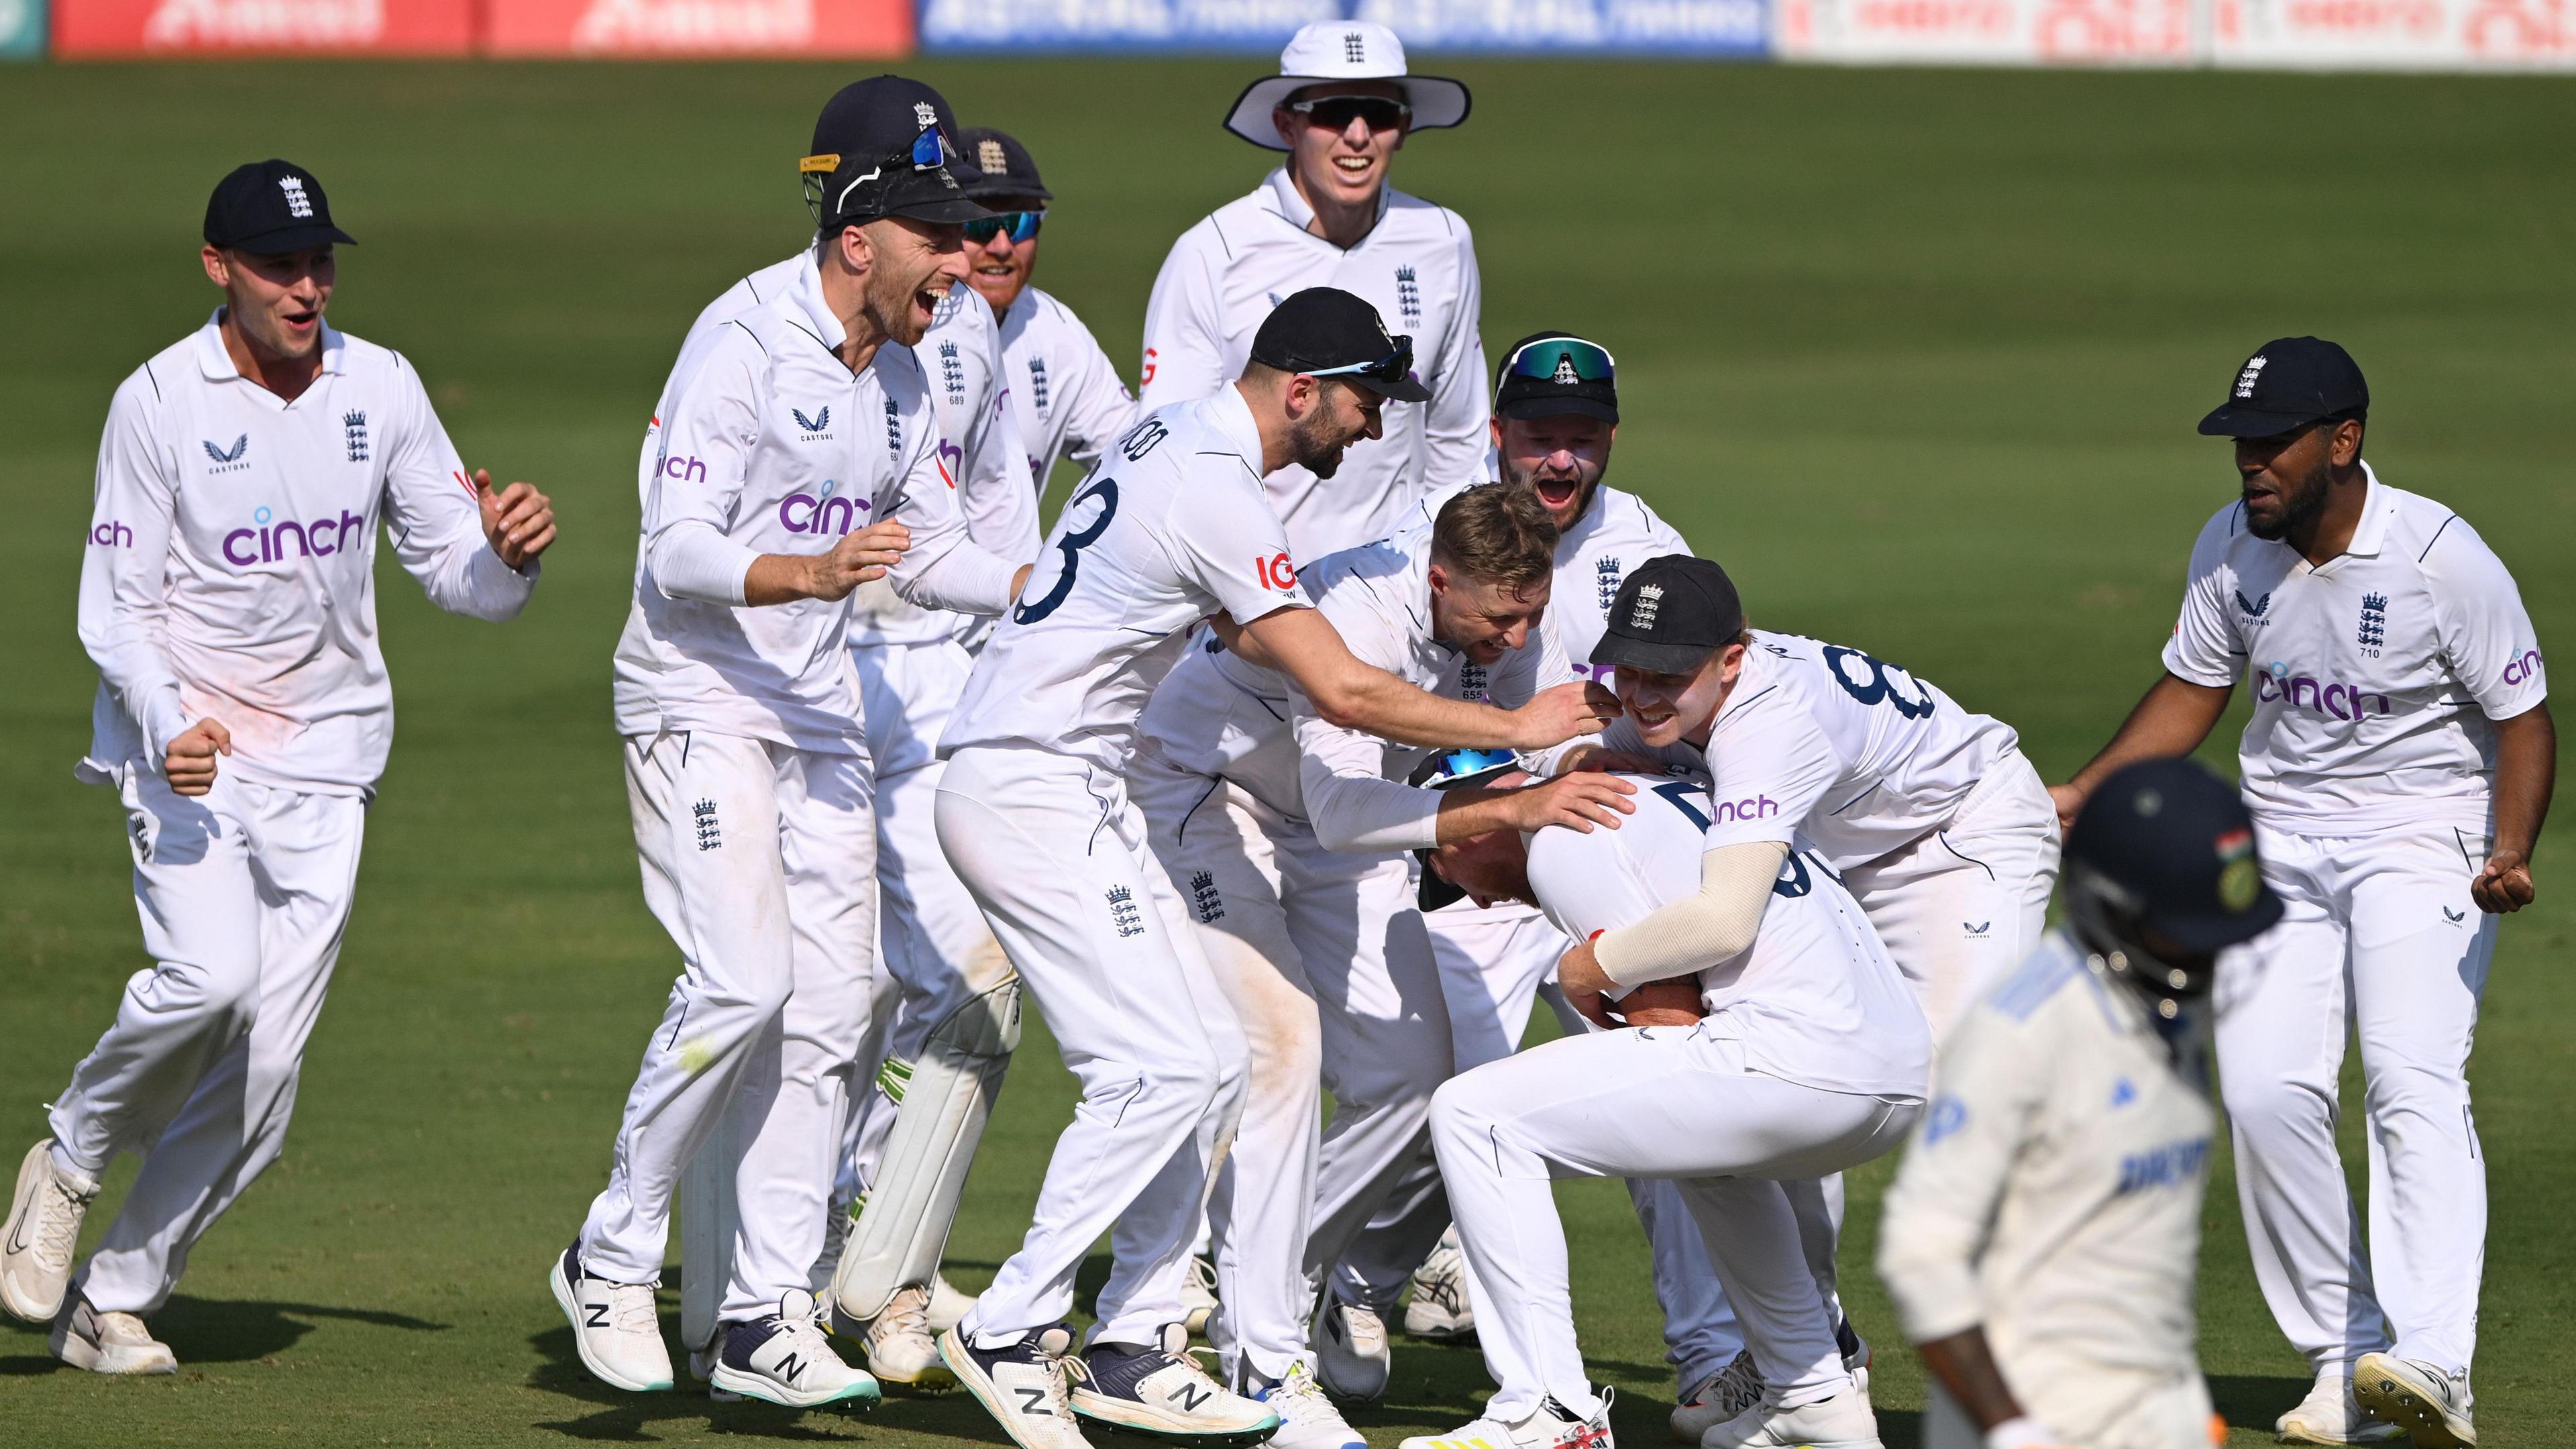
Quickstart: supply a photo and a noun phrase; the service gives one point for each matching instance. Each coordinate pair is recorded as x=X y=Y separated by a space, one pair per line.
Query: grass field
x=1916 y=354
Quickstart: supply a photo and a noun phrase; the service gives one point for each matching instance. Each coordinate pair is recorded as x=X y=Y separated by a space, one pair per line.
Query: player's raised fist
x=1577 y=801
x=519 y=520
x=190 y=764
x=859 y=558
x=2503 y=885
x=1556 y=715
x=2068 y=799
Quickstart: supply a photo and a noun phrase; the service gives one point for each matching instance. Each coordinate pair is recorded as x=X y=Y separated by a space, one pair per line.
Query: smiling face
x=1669 y=708
x=1561 y=458
x=2286 y=479
x=1325 y=416
x=910 y=267
x=1480 y=618
x=999 y=268
x=275 y=302
x=1345 y=165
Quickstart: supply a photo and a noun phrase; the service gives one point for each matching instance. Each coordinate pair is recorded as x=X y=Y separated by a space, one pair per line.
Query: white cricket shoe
x=786 y=1359
x=1159 y=1389
x=44 y=1227
x=2429 y=1404
x=1550 y=1426
x=1717 y=1398
x=614 y=1326
x=1439 y=1309
x=1841 y=1422
x=948 y=1307
x=1307 y=1419
x=1352 y=1356
x=2330 y=1415
x=1198 y=1294
x=1024 y=1386
x=901 y=1347
x=108 y=1343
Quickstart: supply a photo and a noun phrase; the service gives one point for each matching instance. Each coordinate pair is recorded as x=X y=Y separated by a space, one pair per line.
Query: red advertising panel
x=863 y=28
x=104 y=28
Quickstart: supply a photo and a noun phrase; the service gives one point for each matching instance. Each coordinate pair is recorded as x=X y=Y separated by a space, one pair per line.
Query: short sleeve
x=2204 y=649
x=1769 y=764
x=1225 y=540
x=2487 y=640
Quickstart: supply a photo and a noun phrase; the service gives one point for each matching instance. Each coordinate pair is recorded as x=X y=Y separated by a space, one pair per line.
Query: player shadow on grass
x=216 y=1330
x=2247 y=1401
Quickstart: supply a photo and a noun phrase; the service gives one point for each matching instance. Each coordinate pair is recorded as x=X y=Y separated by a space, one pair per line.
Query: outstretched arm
x=1303 y=645
x=2526 y=774
x=2171 y=720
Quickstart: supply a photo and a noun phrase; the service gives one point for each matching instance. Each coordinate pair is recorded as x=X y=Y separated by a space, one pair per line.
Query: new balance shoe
x=901 y=1347
x=1551 y=1426
x=1159 y=1389
x=1439 y=1309
x=44 y=1227
x=1307 y=1419
x=614 y=1326
x=948 y=1307
x=108 y=1343
x=2431 y=1405
x=1198 y=1294
x=1025 y=1387
x=1352 y=1356
x=1717 y=1398
x=1841 y=1422
x=2331 y=1415
x=702 y=1367
x=787 y=1359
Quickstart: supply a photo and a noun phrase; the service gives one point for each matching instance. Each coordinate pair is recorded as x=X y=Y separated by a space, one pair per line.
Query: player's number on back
x=1105 y=492
x=1880 y=684
x=1678 y=793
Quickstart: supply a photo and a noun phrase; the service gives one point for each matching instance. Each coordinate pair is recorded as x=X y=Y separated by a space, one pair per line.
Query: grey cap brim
x=1653 y=658
x=1437 y=101
x=2235 y=422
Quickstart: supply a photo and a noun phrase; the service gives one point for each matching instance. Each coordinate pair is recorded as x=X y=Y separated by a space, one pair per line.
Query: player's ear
x=218 y=271
x=2346 y=443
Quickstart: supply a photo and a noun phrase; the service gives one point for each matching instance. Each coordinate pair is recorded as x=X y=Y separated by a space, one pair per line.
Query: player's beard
x=2302 y=503
x=1315 y=445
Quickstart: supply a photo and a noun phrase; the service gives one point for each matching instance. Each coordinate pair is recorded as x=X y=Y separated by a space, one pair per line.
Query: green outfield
x=1916 y=354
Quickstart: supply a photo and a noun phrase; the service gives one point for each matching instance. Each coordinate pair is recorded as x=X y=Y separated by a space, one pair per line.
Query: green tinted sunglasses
x=1562 y=360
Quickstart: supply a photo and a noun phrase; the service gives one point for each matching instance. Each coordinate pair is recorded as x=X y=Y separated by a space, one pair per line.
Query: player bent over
x=748 y=768
x=1034 y=813
x=1290 y=835
x=1810 y=1057
x=2398 y=765
x=2040 y=1239
x=243 y=715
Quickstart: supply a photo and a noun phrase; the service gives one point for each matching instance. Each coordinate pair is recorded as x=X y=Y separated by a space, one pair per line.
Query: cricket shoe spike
x=1352 y=1356
x=1440 y=1310
x=1551 y=1426
x=1307 y=1419
x=1717 y=1398
x=1841 y=1422
x=108 y=1343
x=948 y=1306
x=44 y=1227
x=901 y=1347
x=2331 y=1415
x=786 y=1359
x=2430 y=1405
x=1023 y=1386
x=1159 y=1389
x=614 y=1326
x=1198 y=1294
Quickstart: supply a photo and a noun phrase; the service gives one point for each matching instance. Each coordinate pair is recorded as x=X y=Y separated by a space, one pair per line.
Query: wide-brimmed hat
x=1344 y=50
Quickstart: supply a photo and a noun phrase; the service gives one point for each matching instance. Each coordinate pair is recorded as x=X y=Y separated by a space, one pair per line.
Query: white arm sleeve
x=944 y=568
x=708 y=427
x=1941 y=1210
x=1349 y=800
x=1702 y=930
x=691 y=560
x=124 y=586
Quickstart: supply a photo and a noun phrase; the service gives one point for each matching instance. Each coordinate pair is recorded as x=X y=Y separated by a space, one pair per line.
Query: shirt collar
x=1231 y=416
x=1286 y=200
x=2378 y=507
x=804 y=295
x=217 y=364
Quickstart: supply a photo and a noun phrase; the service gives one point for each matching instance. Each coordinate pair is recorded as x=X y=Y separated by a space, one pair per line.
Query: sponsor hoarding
x=2395 y=34
x=22 y=29
x=875 y=29
x=106 y=28
x=1992 y=32
x=1688 y=27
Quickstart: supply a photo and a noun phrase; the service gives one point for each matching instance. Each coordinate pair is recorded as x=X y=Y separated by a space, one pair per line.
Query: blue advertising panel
x=22 y=29
x=1663 y=27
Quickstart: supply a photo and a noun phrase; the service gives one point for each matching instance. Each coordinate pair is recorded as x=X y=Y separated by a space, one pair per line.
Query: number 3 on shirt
x=1071 y=546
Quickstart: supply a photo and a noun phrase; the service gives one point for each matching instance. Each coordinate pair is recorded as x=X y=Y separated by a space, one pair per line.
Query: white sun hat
x=1343 y=50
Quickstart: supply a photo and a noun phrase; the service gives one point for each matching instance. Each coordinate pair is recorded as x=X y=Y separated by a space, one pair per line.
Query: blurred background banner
x=807 y=29
x=110 y=28
x=1673 y=27
x=1994 y=32
x=22 y=29
x=2395 y=34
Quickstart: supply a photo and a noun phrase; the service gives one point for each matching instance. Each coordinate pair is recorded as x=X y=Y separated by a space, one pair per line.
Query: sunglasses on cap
x=1335 y=113
x=1394 y=367
x=1453 y=769
x=1022 y=225
x=1562 y=360
x=929 y=151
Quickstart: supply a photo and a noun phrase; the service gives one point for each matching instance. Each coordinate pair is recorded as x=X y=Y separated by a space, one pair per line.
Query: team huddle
x=1343 y=712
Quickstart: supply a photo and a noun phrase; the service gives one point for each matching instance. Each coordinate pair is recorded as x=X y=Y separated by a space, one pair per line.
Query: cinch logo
x=1275 y=572
x=1751 y=807
x=267 y=544
x=113 y=534
x=2334 y=697
x=2525 y=667
x=687 y=470
x=805 y=513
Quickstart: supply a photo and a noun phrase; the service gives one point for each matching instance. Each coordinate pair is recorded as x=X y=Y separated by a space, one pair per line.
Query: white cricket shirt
x=2052 y=1193
x=1616 y=533
x=1221 y=717
x=772 y=445
x=230 y=569
x=1065 y=397
x=2376 y=677
x=1815 y=999
x=1820 y=741
x=1417 y=266
x=1171 y=528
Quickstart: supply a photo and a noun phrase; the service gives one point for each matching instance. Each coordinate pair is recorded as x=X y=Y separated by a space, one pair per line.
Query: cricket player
x=1066 y=397
x=2041 y=1237
x=1291 y=835
x=2398 y=764
x=1034 y=812
x=747 y=762
x=1809 y=1057
x=1341 y=108
x=243 y=717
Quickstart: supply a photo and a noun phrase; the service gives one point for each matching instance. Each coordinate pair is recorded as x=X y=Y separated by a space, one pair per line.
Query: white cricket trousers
x=244 y=893
x=1747 y=1150
x=1324 y=959
x=1962 y=905
x=2173 y=1415
x=2379 y=939
x=1057 y=857
x=760 y=860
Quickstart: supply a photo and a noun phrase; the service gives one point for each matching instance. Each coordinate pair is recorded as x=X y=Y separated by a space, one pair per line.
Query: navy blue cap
x=882 y=147
x=2287 y=384
x=1327 y=332
x=1671 y=613
x=2170 y=845
x=997 y=165
x=270 y=208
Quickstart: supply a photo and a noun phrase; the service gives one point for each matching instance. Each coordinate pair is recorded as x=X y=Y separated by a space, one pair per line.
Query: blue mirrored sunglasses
x=1460 y=767
x=1563 y=360
x=1022 y=225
